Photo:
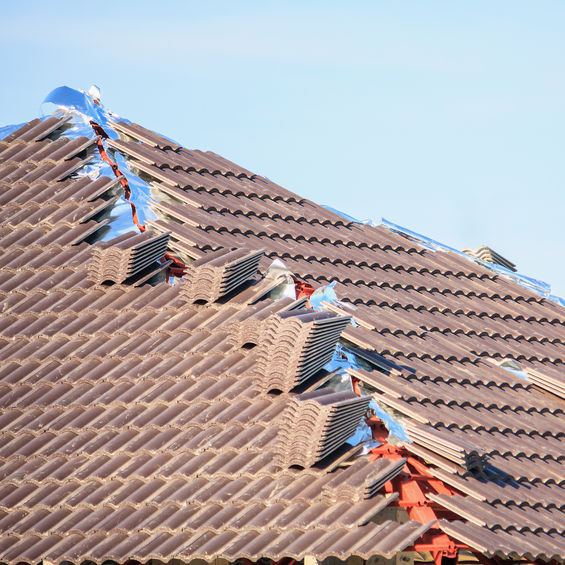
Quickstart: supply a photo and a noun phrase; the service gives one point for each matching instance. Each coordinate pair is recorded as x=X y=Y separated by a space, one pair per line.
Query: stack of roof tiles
x=485 y=253
x=248 y=329
x=295 y=345
x=429 y=318
x=220 y=273
x=126 y=256
x=317 y=423
x=551 y=383
x=365 y=478
x=132 y=423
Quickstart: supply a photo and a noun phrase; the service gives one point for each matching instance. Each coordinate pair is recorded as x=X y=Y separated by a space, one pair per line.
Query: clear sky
x=444 y=117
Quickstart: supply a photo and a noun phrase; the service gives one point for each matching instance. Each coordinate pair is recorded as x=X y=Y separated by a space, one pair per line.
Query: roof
x=138 y=418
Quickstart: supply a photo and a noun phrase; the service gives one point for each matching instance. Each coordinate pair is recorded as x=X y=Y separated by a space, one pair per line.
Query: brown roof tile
x=74 y=354
x=135 y=425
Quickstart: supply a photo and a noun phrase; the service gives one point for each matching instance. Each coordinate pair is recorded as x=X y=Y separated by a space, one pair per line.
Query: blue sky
x=444 y=117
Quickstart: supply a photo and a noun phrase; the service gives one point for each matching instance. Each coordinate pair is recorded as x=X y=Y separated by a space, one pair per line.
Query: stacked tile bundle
x=248 y=329
x=363 y=479
x=465 y=453
x=295 y=345
x=392 y=390
x=317 y=423
x=551 y=383
x=500 y=516
x=127 y=255
x=485 y=253
x=219 y=273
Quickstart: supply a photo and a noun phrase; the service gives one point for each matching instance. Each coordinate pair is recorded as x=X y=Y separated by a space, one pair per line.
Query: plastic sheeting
x=323 y=294
x=68 y=100
x=279 y=272
x=540 y=287
x=82 y=108
x=513 y=367
x=327 y=294
x=530 y=283
x=423 y=240
x=140 y=195
x=557 y=300
x=342 y=214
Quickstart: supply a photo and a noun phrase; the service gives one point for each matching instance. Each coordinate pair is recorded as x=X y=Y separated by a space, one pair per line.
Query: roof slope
x=441 y=321
x=134 y=425
x=431 y=325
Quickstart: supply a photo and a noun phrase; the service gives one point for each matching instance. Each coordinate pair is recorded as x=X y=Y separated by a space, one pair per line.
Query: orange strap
x=123 y=181
x=178 y=268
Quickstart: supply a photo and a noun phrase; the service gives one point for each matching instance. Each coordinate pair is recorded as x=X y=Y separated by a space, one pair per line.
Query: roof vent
x=125 y=256
x=295 y=345
x=317 y=423
x=219 y=273
x=485 y=253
